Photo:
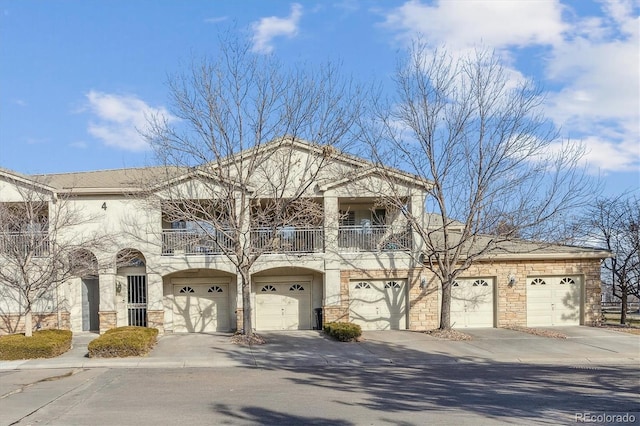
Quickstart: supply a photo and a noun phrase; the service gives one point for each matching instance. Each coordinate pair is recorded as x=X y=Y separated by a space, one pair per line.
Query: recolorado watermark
x=604 y=418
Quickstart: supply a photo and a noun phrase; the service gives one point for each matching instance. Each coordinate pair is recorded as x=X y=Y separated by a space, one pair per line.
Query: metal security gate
x=137 y=300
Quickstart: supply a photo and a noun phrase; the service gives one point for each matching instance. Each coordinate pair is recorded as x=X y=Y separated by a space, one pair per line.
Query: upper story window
x=347 y=218
x=379 y=217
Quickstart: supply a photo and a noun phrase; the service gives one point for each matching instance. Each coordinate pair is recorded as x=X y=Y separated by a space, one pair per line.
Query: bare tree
x=615 y=224
x=42 y=245
x=497 y=167
x=237 y=122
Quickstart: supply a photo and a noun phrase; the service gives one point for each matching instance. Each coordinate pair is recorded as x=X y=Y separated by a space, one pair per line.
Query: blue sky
x=78 y=77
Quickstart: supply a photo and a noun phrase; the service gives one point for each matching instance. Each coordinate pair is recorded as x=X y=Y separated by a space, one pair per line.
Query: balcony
x=353 y=239
x=288 y=239
x=34 y=243
x=195 y=242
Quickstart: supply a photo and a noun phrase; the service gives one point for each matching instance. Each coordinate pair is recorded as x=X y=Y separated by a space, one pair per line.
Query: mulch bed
x=537 y=332
x=243 y=339
x=448 y=334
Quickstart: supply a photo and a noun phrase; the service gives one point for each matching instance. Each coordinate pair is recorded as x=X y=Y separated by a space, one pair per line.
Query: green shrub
x=123 y=342
x=43 y=344
x=343 y=331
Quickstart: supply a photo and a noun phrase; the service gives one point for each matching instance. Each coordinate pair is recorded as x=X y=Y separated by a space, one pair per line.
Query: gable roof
x=132 y=179
x=32 y=181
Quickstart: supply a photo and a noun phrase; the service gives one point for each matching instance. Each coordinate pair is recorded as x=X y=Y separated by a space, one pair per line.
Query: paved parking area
x=584 y=345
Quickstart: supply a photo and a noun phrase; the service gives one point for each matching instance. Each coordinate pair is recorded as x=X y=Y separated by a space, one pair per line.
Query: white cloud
x=608 y=156
x=266 y=29
x=592 y=61
x=120 y=118
x=494 y=23
x=598 y=66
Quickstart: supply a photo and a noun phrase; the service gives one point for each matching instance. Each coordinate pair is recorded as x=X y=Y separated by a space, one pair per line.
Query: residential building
x=349 y=257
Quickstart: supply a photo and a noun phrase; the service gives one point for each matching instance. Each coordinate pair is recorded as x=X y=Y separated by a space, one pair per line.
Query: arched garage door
x=378 y=304
x=283 y=306
x=472 y=303
x=553 y=301
x=201 y=308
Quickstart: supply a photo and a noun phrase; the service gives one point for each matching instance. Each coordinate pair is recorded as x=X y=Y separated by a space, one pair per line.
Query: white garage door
x=283 y=306
x=378 y=305
x=553 y=301
x=201 y=308
x=472 y=303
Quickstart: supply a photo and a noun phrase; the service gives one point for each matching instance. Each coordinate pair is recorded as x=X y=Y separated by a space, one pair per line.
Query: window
x=480 y=283
x=392 y=284
x=296 y=287
x=538 y=281
x=267 y=288
x=187 y=290
x=567 y=280
x=214 y=289
x=379 y=217
x=347 y=218
x=362 y=285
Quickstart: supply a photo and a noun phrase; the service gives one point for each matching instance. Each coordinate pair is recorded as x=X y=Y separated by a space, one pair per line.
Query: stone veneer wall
x=511 y=301
x=14 y=323
x=108 y=320
x=240 y=319
x=155 y=319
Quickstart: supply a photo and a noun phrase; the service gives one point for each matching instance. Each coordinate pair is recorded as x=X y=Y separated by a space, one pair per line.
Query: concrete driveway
x=584 y=345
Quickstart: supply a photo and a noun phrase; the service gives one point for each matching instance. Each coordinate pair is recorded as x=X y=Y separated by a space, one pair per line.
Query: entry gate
x=137 y=300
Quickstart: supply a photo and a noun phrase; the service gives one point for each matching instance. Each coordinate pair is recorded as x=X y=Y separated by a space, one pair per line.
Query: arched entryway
x=86 y=268
x=132 y=284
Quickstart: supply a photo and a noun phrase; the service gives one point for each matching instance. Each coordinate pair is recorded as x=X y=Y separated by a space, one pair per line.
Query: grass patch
x=43 y=344
x=343 y=331
x=123 y=342
x=614 y=319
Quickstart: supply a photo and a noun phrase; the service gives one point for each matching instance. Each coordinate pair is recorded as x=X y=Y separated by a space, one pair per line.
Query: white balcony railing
x=24 y=243
x=288 y=239
x=374 y=238
x=192 y=242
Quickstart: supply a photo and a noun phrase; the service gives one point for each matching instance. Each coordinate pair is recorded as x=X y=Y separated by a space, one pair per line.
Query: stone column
x=107 y=313
x=155 y=299
x=417 y=211
x=331 y=222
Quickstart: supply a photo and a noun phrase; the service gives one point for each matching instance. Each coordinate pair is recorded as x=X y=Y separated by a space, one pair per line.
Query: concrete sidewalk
x=584 y=345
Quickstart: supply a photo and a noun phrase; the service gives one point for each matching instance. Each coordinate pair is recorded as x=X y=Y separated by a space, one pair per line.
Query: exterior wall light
x=512 y=280
x=118 y=288
x=423 y=283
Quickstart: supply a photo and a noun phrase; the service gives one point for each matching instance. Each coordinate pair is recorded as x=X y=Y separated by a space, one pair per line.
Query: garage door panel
x=378 y=305
x=283 y=306
x=198 y=309
x=472 y=303
x=553 y=301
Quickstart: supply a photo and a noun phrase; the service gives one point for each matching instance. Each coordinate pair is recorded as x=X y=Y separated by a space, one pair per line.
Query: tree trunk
x=247 y=318
x=28 y=323
x=445 y=307
x=623 y=306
